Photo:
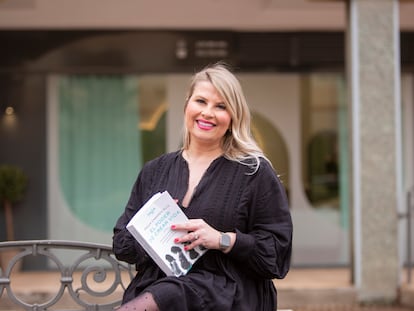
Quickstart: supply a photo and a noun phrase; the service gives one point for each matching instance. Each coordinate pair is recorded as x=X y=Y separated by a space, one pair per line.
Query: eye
x=200 y=101
x=221 y=106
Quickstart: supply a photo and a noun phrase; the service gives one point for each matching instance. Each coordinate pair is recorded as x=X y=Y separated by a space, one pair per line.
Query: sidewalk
x=330 y=289
x=305 y=287
x=301 y=290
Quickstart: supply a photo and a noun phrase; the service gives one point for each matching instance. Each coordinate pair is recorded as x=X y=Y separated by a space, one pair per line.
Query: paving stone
x=352 y=308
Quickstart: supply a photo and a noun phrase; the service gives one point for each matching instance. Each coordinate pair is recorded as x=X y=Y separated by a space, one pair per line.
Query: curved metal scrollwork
x=94 y=263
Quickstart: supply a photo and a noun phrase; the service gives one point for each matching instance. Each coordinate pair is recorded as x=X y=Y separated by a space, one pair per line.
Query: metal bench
x=94 y=279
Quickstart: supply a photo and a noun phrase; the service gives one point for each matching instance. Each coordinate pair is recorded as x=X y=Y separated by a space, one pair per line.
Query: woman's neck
x=197 y=153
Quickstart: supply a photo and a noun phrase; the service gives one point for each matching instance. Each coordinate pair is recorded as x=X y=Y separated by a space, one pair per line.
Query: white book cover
x=151 y=227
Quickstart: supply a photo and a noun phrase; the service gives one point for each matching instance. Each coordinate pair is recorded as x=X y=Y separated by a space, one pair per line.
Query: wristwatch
x=225 y=241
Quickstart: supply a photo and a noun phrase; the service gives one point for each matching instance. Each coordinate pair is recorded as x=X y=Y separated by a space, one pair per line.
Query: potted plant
x=13 y=182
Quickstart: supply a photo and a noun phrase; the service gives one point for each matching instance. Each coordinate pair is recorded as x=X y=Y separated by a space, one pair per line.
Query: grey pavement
x=352 y=308
x=331 y=289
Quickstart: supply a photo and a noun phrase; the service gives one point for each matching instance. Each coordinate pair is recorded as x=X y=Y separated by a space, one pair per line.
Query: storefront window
x=323 y=126
x=325 y=167
x=106 y=128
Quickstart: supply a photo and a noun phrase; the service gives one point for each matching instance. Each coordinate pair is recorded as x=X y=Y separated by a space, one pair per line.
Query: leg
x=144 y=302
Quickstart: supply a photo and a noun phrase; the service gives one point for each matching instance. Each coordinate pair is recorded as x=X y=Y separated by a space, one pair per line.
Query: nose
x=207 y=112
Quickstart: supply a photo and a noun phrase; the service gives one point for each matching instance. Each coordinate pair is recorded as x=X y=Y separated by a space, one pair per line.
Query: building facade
x=99 y=90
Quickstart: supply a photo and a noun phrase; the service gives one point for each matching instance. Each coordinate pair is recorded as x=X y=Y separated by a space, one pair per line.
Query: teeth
x=205 y=124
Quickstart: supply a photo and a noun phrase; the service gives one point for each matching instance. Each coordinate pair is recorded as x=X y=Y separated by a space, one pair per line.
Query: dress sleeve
x=265 y=249
x=124 y=245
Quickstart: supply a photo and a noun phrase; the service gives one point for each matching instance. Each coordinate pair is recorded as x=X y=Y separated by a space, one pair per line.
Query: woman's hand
x=201 y=234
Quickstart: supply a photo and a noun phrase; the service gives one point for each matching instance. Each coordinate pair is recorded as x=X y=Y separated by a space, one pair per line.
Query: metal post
x=409 y=262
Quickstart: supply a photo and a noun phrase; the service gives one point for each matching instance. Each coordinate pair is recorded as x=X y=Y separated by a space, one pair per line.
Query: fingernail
x=173 y=227
x=176 y=240
x=186 y=248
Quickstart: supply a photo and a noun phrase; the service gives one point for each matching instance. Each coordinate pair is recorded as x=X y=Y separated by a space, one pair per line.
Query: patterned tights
x=144 y=302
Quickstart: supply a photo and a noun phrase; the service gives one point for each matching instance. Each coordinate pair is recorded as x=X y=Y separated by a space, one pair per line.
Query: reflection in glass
x=153 y=107
x=323 y=169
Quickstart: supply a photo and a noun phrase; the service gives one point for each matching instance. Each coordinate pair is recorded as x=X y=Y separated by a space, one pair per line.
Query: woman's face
x=206 y=116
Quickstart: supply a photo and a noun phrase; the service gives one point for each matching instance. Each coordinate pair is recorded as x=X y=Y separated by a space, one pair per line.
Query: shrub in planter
x=13 y=182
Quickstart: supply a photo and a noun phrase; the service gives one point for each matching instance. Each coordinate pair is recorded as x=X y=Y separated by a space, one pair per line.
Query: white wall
x=165 y=14
x=185 y=14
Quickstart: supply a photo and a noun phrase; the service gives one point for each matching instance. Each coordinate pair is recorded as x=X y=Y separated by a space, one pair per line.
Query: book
x=151 y=227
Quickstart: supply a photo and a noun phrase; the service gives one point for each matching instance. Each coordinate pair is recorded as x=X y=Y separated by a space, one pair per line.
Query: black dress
x=229 y=198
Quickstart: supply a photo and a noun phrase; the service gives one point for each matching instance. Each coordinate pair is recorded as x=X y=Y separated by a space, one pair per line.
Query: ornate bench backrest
x=94 y=279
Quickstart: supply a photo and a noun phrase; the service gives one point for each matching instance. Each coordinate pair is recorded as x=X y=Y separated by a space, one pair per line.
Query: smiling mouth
x=205 y=125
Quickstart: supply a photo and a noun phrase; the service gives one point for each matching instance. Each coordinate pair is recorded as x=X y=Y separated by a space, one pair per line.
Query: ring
x=196 y=237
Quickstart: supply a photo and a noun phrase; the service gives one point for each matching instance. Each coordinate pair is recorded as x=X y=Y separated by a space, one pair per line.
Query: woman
x=237 y=207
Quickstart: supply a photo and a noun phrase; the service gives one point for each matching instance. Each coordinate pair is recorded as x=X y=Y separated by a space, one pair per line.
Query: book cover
x=151 y=227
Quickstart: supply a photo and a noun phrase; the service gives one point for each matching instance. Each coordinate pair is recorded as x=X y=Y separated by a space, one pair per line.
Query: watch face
x=224 y=241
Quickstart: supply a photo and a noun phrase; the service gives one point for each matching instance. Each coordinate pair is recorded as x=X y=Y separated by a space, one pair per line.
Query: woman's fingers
x=199 y=233
x=191 y=225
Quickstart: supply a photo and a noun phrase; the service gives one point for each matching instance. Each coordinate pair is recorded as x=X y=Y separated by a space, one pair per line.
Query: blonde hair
x=238 y=143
